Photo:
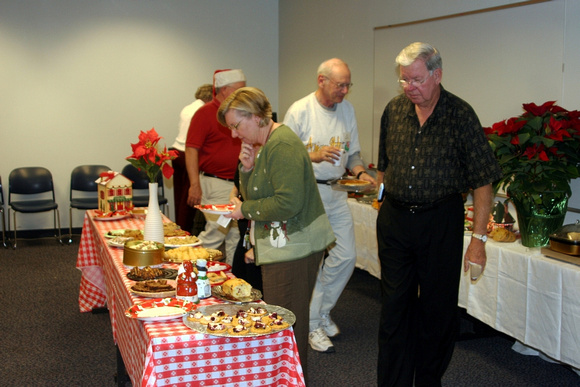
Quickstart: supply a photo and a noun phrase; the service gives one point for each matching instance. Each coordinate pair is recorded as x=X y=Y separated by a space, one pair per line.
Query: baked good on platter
x=216 y=327
x=353 y=182
x=260 y=327
x=238 y=330
x=183 y=253
x=237 y=288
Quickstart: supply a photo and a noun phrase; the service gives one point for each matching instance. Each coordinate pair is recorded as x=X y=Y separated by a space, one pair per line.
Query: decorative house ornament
x=115 y=192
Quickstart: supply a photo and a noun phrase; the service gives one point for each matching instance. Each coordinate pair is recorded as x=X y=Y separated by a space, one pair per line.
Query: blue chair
x=141 y=187
x=84 y=193
x=31 y=190
x=3 y=218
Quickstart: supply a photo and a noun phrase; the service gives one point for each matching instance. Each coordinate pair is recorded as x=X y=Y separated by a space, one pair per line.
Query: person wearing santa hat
x=211 y=157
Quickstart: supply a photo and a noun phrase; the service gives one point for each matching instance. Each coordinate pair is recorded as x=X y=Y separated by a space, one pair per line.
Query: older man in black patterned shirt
x=432 y=148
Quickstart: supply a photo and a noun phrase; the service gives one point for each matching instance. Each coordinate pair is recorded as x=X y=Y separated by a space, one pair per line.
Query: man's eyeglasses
x=235 y=127
x=414 y=82
x=340 y=85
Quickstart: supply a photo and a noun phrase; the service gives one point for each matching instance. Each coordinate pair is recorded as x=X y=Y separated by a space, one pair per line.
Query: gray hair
x=326 y=67
x=423 y=51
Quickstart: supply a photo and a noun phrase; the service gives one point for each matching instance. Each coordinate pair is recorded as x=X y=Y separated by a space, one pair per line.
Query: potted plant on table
x=147 y=157
x=539 y=154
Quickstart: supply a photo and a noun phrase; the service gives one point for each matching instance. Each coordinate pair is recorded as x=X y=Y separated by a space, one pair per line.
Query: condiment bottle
x=203 y=285
x=186 y=284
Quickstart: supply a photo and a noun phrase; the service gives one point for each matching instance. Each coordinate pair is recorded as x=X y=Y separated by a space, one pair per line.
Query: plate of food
x=151 y=273
x=109 y=216
x=127 y=233
x=218 y=278
x=215 y=266
x=191 y=253
x=350 y=184
x=228 y=320
x=237 y=291
x=179 y=241
x=160 y=309
x=154 y=288
x=171 y=229
x=119 y=241
x=217 y=209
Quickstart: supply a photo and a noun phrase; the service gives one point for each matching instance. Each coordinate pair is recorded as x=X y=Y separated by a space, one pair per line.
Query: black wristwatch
x=360 y=173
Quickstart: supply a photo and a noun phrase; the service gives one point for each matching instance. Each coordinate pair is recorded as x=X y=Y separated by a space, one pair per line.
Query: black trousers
x=421 y=255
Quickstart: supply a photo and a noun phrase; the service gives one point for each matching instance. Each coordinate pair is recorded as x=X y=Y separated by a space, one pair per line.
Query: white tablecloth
x=365 y=219
x=522 y=293
x=530 y=297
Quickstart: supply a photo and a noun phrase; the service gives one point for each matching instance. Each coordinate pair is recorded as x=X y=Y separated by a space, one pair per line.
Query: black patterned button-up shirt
x=448 y=154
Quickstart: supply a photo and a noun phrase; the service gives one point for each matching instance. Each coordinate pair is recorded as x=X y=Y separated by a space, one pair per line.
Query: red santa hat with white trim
x=222 y=78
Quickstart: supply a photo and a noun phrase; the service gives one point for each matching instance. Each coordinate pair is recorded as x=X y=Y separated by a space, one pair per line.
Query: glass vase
x=539 y=215
x=153 y=221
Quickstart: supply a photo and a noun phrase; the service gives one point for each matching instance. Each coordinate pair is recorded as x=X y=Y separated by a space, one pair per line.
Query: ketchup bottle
x=186 y=284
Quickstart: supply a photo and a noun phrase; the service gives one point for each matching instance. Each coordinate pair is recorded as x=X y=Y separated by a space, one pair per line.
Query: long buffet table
x=522 y=293
x=168 y=353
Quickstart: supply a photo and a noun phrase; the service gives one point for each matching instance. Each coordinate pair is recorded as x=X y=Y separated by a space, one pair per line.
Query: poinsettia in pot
x=147 y=157
x=539 y=153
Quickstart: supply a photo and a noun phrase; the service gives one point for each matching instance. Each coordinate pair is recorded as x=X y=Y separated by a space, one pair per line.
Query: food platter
x=216 y=266
x=231 y=310
x=217 y=292
x=350 y=185
x=219 y=280
x=166 y=274
x=119 y=241
x=111 y=218
x=119 y=233
x=174 y=242
x=216 y=209
x=168 y=293
x=160 y=309
x=192 y=253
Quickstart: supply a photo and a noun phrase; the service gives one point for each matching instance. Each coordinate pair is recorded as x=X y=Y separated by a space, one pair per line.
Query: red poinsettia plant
x=539 y=150
x=146 y=156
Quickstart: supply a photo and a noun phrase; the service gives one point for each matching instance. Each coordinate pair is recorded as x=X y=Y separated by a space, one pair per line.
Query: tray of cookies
x=229 y=320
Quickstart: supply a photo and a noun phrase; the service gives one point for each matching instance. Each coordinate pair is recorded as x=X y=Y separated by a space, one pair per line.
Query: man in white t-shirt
x=326 y=123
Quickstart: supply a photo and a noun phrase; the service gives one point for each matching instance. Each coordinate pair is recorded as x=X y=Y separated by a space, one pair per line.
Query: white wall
x=80 y=79
x=311 y=32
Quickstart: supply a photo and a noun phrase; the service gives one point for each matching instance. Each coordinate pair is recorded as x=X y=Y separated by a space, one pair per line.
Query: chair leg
x=69 y=225
x=14 y=240
x=4 y=242
x=56 y=215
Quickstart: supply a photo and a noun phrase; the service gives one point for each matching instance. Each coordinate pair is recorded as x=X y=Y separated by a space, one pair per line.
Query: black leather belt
x=217 y=177
x=415 y=208
x=327 y=182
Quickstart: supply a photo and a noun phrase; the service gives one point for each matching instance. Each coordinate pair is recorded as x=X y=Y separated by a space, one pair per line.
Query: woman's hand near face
x=247 y=155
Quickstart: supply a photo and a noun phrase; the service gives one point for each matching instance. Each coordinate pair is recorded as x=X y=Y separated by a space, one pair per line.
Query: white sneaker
x=319 y=341
x=329 y=327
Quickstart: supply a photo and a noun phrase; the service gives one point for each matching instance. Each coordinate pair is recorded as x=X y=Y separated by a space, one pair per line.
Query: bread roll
x=237 y=288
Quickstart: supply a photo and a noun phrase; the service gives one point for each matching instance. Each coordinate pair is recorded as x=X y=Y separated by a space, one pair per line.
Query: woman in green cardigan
x=289 y=228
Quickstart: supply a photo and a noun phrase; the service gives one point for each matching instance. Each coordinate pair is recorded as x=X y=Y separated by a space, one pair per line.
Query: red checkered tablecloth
x=168 y=353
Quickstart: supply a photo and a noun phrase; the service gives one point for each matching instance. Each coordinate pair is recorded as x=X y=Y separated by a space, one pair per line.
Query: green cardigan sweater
x=281 y=197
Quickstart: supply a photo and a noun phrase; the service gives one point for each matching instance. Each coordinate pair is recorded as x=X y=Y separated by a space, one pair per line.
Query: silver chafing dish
x=567 y=239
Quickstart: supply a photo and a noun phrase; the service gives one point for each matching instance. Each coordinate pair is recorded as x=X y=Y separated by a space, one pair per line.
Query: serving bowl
x=143 y=253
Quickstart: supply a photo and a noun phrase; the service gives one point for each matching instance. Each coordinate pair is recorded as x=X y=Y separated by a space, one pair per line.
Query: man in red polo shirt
x=211 y=156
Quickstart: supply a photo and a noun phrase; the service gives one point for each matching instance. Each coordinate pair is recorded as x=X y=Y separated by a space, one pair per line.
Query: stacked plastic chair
x=84 y=190
x=31 y=190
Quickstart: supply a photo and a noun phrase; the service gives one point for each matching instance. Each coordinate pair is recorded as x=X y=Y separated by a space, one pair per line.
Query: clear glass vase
x=539 y=215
